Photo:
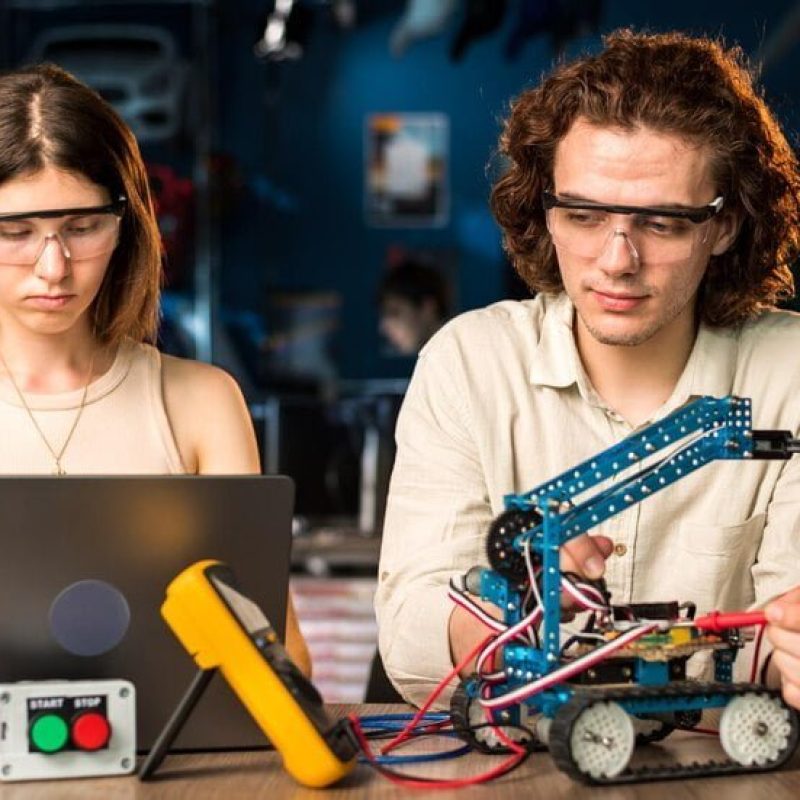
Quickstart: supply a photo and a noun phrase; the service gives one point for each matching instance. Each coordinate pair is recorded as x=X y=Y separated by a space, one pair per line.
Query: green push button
x=49 y=733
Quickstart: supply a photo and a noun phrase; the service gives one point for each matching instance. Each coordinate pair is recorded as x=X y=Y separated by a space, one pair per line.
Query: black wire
x=528 y=746
x=526 y=610
x=577 y=638
x=380 y=735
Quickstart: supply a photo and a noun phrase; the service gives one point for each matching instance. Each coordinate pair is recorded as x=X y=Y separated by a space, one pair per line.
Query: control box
x=67 y=729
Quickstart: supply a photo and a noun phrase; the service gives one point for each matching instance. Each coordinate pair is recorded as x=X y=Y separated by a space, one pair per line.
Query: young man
x=652 y=201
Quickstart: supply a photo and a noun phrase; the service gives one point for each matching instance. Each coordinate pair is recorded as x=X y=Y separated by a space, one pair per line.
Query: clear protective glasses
x=86 y=233
x=654 y=235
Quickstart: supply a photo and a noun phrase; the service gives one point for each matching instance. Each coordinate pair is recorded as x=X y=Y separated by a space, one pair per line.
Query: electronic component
x=224 y=630
x=67 y=729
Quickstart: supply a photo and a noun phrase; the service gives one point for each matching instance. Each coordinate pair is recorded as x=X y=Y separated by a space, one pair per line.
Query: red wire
x=405 y=734
x=416 y=783
x=425 y=730
x=501 y=734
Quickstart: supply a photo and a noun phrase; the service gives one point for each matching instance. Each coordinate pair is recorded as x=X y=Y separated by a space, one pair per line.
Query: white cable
x=526 y=552
x=587 y=634
x=567 y=671
x=587 y=588
x=580 y=598
x=512 y=632
x=460 y=599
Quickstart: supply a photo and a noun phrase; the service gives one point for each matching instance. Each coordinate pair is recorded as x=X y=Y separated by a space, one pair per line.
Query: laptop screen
x=85 y=565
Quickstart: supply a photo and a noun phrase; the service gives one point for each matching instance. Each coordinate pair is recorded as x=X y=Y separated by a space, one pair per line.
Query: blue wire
x=392 y=722
x=389 y=719
x=458 y=751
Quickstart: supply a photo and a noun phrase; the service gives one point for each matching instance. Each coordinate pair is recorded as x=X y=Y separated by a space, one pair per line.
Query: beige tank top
x=123 y=429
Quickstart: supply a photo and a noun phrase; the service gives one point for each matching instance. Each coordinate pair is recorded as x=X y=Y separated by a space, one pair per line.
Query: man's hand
x=585 y=555
x=784 y=633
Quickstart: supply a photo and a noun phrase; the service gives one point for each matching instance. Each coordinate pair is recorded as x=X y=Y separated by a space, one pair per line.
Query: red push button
x=90 y=731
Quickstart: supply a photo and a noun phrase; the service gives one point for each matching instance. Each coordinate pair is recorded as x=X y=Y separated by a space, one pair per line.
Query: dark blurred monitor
x=338 y=452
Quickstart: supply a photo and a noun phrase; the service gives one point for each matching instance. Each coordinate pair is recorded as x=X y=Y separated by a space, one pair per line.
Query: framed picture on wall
x=405 y=170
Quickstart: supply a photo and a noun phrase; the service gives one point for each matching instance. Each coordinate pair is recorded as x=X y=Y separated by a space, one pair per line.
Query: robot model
x=593 y=695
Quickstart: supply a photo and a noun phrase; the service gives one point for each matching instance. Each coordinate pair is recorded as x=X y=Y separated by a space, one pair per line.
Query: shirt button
x=620 y=549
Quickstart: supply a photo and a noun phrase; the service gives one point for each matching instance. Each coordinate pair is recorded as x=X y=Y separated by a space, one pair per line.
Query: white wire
x=588 y=634
x=567 y=671
x=581 y=598
x=506 y=636
x=460 y=599
x=526 y=552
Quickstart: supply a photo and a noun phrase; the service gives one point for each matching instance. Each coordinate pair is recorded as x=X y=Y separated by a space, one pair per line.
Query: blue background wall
x=297 y=132
x=290 y=192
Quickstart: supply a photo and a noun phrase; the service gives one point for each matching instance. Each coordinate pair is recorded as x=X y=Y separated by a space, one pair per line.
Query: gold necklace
x=58 y=470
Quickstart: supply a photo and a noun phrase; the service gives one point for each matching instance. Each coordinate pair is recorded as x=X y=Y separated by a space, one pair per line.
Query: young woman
x=82 y=389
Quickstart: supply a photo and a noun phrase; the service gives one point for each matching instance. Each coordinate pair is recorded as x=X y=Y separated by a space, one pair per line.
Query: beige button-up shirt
x=499 y=402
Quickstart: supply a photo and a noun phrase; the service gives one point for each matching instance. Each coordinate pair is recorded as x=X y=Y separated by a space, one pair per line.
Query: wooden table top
x=258 y=774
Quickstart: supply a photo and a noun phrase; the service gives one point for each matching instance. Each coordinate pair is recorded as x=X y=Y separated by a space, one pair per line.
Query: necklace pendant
x=59 y=470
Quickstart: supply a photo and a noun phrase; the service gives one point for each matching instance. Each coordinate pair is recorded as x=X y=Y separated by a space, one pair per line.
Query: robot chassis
x=622 y=680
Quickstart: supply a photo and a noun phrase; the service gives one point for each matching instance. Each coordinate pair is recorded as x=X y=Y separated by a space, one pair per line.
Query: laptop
x=84 y=565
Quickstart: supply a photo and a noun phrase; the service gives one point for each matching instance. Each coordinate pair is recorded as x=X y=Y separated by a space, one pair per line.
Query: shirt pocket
x=713 y=562
x=722 y=541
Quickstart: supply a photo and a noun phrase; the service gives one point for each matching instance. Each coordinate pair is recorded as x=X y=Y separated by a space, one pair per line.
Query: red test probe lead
x=715 y=621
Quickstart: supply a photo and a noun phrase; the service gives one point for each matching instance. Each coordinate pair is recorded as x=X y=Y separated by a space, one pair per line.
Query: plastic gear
x=469 y=718
x=755 y=729
x=503 y=556
x=602 y=740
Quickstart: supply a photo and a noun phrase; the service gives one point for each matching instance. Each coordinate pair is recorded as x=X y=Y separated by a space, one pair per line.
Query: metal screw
x=124 y=692
x=125 y=763
x=605 y=741
x=761 y=729
x=5 y=697
x=6 y=769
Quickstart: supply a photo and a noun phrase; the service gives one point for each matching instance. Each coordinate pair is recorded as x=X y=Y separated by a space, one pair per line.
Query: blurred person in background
x=414 y=303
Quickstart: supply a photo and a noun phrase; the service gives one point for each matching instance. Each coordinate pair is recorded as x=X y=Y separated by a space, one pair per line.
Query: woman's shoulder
x=187 y=376
x=209 y=417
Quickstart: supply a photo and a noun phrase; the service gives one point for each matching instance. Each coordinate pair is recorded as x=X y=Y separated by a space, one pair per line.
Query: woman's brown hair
x=49 y=117
x=694 y=88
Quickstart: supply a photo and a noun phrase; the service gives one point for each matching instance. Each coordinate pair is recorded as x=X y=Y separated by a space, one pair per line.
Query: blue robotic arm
x=548 y=516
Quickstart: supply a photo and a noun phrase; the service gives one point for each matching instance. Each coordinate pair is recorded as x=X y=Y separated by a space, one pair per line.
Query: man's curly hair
x=694 y=88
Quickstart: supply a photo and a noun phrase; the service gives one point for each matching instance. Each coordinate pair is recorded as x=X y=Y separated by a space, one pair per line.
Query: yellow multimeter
x=224 y=630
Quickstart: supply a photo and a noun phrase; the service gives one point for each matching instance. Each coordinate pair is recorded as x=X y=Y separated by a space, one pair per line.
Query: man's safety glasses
x=654 y=234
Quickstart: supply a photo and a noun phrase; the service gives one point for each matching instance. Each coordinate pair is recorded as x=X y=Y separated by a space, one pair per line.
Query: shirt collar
x=709 y=370
x=555 y=360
